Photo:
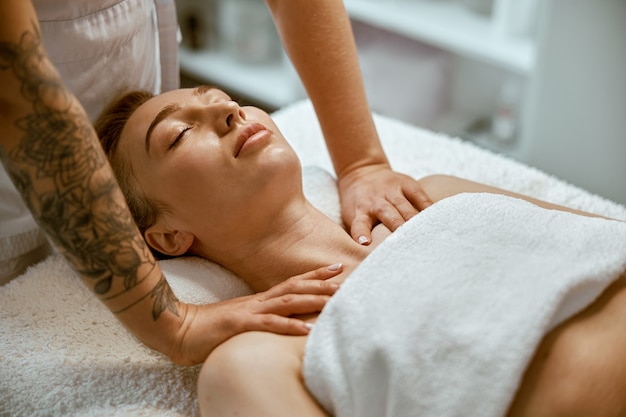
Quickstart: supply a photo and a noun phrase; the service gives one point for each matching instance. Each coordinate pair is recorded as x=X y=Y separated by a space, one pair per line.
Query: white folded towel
x=443 y=317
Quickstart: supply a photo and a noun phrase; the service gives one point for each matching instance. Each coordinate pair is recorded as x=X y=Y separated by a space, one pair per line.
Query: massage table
x=63 y=353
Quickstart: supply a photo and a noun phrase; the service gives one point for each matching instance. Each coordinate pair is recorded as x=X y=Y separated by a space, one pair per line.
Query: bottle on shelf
x=505 y=119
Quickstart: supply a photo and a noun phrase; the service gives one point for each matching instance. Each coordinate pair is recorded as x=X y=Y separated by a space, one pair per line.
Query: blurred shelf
x=274 y=84
x=448 y=25
x=473 y=128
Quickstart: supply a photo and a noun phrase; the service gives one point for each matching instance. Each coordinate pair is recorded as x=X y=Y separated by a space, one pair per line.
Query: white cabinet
x=488 y=54
x=564 y=58
x=575 y=121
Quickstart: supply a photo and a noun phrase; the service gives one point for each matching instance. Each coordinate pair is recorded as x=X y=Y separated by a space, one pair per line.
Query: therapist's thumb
x=361 y=229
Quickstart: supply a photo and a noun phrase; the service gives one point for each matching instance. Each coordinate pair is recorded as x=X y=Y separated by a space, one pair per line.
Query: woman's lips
x=249 y=135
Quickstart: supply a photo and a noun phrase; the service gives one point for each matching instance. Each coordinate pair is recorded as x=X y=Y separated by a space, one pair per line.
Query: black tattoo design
x=164 y=299
x=62 y=173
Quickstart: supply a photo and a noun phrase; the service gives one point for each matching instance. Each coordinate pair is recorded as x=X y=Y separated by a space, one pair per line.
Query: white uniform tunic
x=100 y=48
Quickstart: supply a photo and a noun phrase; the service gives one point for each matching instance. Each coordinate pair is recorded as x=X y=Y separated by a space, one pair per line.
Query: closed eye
x=178 y=138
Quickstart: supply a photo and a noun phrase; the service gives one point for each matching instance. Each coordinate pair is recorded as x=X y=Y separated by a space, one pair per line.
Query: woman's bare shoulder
x=439 y=187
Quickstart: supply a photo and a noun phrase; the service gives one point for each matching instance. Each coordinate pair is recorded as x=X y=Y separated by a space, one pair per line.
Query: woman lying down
x=482 y=305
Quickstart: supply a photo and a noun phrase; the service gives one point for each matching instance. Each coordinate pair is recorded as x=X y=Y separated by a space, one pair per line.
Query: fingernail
x=308 y=325
x=335 y=267
x=363 y=240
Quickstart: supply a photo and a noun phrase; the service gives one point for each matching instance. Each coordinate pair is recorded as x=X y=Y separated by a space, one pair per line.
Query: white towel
x=62 y=352
x=443 y=317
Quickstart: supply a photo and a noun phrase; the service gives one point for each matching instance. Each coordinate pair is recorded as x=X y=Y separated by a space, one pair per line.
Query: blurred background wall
x=542 y=81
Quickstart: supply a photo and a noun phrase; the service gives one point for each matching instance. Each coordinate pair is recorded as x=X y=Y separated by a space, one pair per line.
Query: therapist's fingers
x=388 y=214
x=279 y=325
x=416 y=195
x=392 y=211
x=321 y=273
x=312 y=282
x=293 y=304
x=400 y=204
x=392 y=214
x=361 y=229
x=402 y=208
x=408 y=198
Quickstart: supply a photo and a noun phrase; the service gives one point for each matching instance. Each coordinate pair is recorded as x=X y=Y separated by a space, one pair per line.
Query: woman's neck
x=298 y=239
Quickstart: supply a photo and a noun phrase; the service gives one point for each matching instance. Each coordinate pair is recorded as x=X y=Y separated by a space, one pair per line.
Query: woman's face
x=216 y=166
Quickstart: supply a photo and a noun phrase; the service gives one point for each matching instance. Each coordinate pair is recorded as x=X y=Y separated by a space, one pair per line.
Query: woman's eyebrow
x=162 y=115
x=201 y=89
x=169 y=109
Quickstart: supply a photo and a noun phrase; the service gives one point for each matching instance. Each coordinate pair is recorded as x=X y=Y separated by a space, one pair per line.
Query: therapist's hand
x=376 y=194
x=207 y=326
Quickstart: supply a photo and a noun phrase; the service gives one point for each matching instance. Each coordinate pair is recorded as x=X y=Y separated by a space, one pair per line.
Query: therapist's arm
x=54 y=158
x=318 y=39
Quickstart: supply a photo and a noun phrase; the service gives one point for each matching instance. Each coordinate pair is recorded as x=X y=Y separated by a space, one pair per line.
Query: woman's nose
x=227 y=114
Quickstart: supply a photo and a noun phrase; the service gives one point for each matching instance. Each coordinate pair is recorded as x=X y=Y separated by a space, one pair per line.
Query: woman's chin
x=280 y=159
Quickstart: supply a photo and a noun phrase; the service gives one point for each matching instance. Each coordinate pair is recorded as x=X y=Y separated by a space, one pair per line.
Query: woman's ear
x=169 y=242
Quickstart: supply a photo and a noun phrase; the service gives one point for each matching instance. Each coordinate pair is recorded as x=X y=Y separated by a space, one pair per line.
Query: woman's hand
x=204 y=327
x=374 y=194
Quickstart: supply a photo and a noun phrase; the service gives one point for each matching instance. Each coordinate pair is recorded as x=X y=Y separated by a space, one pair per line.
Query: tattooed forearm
x=163 y=299
x=62 y=173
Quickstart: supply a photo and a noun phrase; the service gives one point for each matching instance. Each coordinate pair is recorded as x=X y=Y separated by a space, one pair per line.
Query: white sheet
x=63 y=353
x=443 y=317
